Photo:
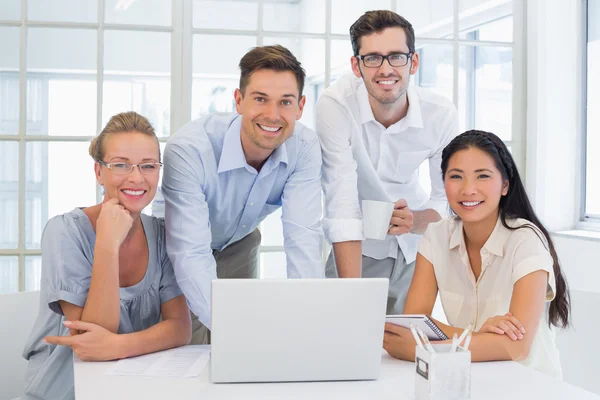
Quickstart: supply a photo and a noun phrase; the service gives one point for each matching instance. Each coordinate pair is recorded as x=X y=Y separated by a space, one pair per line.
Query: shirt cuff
x=73 y=298
x=536 y=263
x=342 y=230
x=424 y=249
x=440 y=206
x=169 y=293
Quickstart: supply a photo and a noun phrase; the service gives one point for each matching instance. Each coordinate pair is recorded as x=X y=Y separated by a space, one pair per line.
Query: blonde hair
x=124 y=122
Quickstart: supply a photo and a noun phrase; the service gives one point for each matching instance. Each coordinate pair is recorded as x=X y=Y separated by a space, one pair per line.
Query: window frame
x=182 y=33
x=585 y=221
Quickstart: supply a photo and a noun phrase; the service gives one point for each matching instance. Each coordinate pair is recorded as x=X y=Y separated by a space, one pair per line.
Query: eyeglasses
x=120 y=168
x=376 y=60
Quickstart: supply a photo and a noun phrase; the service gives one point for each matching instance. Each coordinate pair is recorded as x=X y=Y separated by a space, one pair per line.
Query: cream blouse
x=507 y=256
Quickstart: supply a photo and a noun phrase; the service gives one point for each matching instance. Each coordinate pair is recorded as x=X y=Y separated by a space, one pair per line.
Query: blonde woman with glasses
x=106 y=277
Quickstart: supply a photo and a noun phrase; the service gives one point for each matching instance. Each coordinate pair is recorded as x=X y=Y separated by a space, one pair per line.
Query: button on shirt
x=506 y=257
x=214 y=198
x=363 y=160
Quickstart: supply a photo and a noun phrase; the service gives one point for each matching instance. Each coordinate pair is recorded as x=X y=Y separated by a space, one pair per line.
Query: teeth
x=387 y=82
x=134 y=192
x=269 y=128
x=470 y=203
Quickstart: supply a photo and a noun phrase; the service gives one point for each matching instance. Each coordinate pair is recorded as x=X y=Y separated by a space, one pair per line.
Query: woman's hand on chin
x=113 y=224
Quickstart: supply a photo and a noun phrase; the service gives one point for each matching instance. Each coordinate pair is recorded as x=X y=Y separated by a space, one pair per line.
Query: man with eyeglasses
x=226 y=172
x=375 y=132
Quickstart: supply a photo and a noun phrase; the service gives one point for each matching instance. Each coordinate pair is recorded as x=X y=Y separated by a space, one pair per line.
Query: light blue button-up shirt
x=214 y=198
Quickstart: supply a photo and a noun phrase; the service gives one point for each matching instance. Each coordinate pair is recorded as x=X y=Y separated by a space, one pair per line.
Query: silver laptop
x=297 y=329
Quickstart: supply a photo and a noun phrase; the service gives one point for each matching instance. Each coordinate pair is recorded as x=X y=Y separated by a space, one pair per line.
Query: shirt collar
x=494 y=244
x=364 y=107
x=457 y=238
x=278 y=156
x=496 y=241
x=413 y=119
x=232 y=154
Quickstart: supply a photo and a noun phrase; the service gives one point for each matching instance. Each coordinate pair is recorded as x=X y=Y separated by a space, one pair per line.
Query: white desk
x=497 y=380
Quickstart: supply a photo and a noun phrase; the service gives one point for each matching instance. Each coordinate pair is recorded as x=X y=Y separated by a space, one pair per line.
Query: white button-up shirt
x=507 y=256
x=362 y=160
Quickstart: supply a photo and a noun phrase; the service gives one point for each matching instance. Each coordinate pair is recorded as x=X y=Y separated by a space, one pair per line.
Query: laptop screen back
x=297 y=329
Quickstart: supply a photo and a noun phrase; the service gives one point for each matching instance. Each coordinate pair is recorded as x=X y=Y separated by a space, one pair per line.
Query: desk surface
x=494 y=380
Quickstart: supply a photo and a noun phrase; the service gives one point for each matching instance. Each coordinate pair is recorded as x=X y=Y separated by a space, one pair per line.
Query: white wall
x=553 y=144
x=18 y=312
x=553 y=90
x=578 y=350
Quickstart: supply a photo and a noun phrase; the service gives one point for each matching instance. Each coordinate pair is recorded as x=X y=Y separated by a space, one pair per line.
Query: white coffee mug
x=376 y=217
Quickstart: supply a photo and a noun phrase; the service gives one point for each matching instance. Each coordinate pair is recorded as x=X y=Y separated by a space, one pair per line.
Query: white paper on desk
x=182 y=362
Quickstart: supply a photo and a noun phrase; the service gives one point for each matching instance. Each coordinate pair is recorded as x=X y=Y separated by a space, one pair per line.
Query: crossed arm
x=527 y=306
x=95 y=343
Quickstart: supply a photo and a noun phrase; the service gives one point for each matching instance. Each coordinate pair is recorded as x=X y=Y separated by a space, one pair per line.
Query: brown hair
x=124 y=122
x=375 y=22
x=276 y=58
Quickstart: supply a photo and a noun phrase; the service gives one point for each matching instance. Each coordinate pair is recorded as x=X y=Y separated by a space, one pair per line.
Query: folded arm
x=342 y=221
x=527 y=305
x=301 y=216
x=188 y=227
x=95 y=343
x=90 y=286
x=102 y=306
x=174 y=330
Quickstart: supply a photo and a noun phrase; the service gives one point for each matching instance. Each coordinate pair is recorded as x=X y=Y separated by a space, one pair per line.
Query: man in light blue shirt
x=224 y=173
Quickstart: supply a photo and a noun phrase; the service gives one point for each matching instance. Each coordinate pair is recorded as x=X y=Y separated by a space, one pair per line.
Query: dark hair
x=276 y=58
x=515 y=204
x=376 y=21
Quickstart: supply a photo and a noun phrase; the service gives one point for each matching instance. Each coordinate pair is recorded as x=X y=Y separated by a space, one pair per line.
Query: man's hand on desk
x=94 y=343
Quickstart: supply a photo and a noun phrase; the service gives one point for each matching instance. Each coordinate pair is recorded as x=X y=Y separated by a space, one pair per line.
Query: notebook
x=431 y=330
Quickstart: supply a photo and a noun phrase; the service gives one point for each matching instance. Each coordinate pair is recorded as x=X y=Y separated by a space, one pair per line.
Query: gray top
x=67 y=258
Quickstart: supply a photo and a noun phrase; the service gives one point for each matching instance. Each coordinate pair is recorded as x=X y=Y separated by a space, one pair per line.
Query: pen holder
x=443 y=375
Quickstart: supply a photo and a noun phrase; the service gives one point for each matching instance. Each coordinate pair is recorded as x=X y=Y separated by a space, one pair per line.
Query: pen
x=462 y=336
x=414 y=333
x=454 y=343
x=467 y=341
x=425 y=340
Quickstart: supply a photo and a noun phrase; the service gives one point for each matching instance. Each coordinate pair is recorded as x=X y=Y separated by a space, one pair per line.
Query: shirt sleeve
x=425 y=247
x=187 y=224
x=342 y=221
x=532 y=255
x=66 y=271
x=168 y=288
x=437 y=199
x=301 y=215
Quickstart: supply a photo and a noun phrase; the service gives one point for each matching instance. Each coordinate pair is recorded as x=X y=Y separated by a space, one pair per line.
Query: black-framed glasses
x=121 y=168
x=376 y=60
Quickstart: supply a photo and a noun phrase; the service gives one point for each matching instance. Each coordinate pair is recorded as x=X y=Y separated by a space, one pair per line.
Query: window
x=80 y=67
x=592 y=119
x=78 y=72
